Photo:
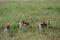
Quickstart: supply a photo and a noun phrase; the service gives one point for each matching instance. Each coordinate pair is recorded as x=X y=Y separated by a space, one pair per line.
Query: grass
x=38 y=10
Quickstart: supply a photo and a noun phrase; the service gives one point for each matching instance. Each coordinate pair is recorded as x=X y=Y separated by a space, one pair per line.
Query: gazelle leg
x=5 y=31
x=20 y=26
x=40 y=28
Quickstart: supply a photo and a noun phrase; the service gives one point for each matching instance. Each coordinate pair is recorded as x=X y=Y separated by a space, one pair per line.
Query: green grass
x=38 y=10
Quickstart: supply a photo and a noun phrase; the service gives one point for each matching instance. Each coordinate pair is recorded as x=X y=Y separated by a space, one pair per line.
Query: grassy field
x=38 y=10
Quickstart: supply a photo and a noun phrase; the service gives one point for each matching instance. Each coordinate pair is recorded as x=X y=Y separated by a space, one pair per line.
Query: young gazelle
x=43 y=24
x=6 y=28
x=24 y=23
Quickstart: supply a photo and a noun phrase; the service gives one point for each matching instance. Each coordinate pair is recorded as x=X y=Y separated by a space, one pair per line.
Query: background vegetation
x=38 y=10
